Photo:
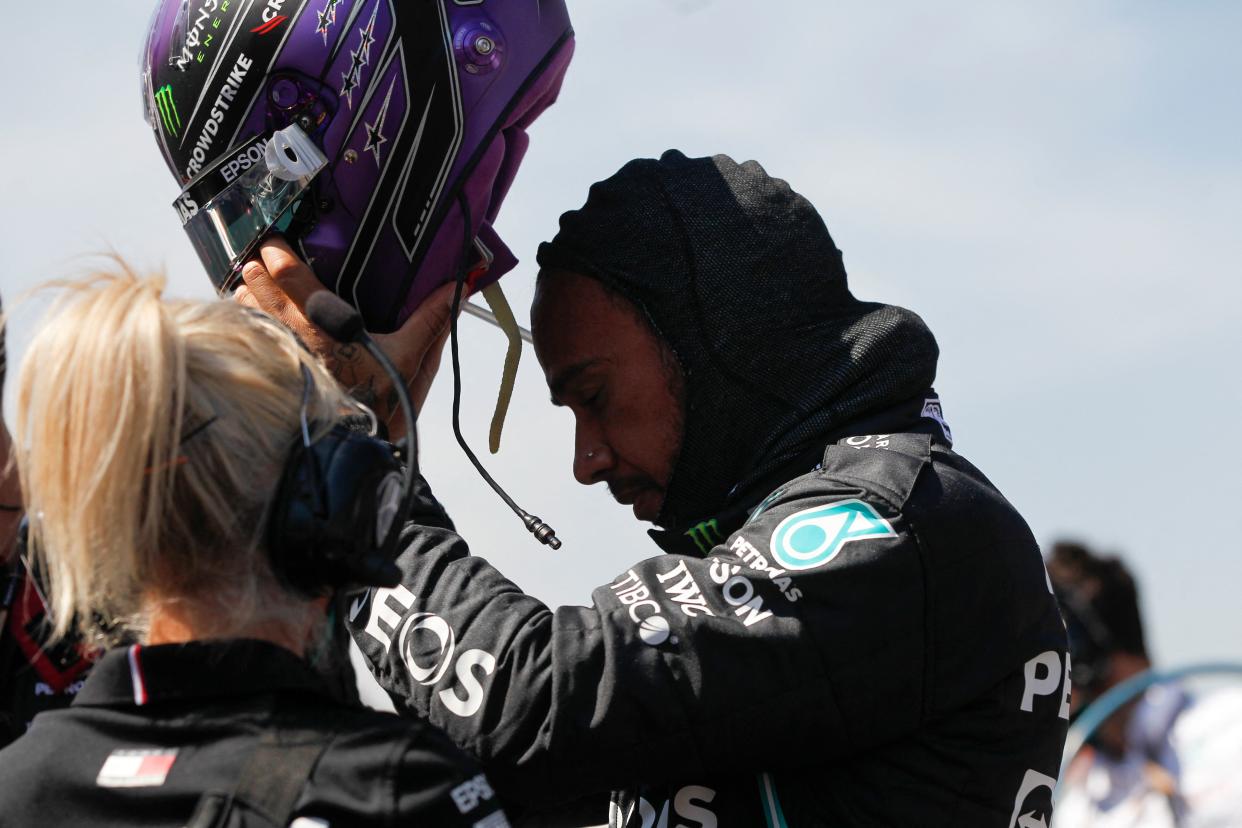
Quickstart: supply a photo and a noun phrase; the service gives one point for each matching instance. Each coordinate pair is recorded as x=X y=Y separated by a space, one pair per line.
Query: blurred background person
x=35 y=674
x=10 y=490
x=161 y=445
x=1172 y=756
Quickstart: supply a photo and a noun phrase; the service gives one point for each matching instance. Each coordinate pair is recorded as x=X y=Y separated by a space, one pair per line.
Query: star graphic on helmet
x=375 y=131
x=327 y=18
x=359 y=58
x=367 y=39
x=348 y=87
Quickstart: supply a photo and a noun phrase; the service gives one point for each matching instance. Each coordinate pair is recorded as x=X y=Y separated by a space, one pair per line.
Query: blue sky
x=1055 y=187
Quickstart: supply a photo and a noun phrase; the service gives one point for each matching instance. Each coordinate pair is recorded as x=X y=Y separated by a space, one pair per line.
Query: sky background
x=1055 y=187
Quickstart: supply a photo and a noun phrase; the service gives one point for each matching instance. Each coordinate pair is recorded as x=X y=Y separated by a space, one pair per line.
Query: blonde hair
x=150 y=438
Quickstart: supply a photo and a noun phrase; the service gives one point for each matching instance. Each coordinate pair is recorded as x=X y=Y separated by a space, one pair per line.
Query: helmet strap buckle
x=480 y=268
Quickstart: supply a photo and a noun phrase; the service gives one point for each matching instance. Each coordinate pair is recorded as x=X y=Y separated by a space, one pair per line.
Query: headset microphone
x=343 y=323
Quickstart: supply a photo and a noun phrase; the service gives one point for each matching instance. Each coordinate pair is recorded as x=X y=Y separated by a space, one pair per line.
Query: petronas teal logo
x=813 y=537
x=168 y=110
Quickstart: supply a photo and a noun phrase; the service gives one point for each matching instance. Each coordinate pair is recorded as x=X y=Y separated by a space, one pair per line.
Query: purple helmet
x=416 y=114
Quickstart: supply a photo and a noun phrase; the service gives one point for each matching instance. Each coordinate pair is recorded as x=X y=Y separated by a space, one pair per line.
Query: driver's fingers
x=263 y=296
x=409 y=345
x=278 y=279
x=426 y=324
x=243 y=296
x=420 y=386
x=262 y=293
x=288 y=273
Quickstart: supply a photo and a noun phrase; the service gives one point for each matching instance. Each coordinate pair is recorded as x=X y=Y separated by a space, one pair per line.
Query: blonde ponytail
x=150 y=438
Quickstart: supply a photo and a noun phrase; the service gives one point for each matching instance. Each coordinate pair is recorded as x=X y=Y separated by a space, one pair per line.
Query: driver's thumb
x=430 y=319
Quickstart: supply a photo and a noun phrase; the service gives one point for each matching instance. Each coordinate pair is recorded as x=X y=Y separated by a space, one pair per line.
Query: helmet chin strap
x=495 y=298
x=490 y=318
x=500 y=315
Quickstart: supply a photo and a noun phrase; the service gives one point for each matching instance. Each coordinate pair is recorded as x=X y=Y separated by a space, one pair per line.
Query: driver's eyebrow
x=564 y=377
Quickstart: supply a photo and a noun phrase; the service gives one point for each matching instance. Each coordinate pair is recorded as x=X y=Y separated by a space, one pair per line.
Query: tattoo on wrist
x=345 y=361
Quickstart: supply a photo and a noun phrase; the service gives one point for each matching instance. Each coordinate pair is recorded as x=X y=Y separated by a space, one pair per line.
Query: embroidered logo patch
x=813 y=537
x=470 y=793
x=136 y=768
x=932 y=410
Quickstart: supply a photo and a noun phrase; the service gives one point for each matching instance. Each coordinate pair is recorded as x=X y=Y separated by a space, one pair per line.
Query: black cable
x=461 y=440
x=4 y=507
x=542 y=532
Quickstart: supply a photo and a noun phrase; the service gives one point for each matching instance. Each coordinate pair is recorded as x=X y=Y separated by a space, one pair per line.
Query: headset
x=334 y=509
x=343 y=499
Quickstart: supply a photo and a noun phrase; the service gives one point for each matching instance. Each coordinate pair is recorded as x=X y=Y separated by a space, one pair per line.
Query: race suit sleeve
x=798 y=639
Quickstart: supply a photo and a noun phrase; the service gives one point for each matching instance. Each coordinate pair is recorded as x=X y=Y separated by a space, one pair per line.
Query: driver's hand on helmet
x=279 y=283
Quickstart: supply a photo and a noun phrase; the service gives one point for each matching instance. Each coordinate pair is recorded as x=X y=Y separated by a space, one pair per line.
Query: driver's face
x=621 y=382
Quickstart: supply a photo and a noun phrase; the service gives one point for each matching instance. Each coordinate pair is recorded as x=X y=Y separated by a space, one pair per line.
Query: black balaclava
x=737 y=273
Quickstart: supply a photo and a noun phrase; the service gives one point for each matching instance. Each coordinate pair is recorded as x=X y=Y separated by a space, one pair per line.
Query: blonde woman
x=150 y=438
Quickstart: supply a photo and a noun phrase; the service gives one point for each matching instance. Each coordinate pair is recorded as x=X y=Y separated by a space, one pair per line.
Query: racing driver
x=849 y=624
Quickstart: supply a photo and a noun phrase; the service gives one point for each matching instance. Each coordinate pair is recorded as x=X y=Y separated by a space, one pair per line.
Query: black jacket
x=35 y=676
x=872 y=642
x=168 y=735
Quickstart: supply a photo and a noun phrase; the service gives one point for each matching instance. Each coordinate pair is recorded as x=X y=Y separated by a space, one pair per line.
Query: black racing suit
x=872 y=643
x=233 y=733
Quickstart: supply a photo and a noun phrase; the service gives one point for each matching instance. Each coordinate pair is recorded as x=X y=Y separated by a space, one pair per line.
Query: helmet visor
x=245 y=195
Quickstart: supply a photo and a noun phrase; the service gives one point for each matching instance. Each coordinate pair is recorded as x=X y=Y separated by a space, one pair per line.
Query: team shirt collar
x=136 y=675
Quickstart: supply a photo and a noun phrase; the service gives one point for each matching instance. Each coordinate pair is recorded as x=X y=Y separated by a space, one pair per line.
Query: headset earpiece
x=331 y=514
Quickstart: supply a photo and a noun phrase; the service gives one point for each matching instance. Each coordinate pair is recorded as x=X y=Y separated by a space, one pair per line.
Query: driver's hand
x=279 y=283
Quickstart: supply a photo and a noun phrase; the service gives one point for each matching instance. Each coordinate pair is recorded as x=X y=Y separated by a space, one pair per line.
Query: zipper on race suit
x=772 y=813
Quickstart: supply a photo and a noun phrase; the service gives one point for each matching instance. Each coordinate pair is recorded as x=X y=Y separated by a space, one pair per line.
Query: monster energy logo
x=705 y=535
x=168 y=109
